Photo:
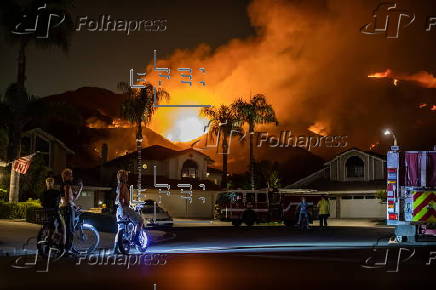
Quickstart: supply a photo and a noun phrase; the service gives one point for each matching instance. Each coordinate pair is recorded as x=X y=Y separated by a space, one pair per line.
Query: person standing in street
x=70 y=196
x=303 y=215
x=323 y=211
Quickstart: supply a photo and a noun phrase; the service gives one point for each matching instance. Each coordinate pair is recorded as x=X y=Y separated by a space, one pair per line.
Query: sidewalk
x=186 y=222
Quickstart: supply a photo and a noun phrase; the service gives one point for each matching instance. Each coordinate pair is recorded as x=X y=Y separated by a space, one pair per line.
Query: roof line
x=353 y=149
x=50 y=137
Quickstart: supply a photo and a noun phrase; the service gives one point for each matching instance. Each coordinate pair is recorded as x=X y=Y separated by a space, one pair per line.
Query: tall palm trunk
x=14 y=151
x=21 y=68
x=225 y=157
x=251 y=131
x=139 y=150
x=15 y=144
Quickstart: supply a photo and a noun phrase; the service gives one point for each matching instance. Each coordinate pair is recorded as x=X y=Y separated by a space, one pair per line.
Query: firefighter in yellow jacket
x=324 y=211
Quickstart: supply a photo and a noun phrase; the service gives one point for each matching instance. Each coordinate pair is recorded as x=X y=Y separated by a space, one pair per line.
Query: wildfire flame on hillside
x=423 y=78
x=116 y=123
x=319 y=128
x=432 y=108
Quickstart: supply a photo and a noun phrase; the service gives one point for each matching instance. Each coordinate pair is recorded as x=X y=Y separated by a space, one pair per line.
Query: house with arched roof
x=352 y=180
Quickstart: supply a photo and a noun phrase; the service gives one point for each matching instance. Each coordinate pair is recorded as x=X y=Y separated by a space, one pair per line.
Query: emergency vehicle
x=261 y=206
x=411 y=194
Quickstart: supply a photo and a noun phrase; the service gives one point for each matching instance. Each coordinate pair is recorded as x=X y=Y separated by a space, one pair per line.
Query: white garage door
x=360 y=206
x=332 y=201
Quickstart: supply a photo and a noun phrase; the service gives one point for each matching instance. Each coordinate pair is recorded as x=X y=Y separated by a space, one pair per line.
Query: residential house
x=352 y=180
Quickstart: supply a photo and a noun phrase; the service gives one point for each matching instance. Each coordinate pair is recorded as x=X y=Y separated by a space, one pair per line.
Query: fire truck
x=411 y=194
x=262 y=206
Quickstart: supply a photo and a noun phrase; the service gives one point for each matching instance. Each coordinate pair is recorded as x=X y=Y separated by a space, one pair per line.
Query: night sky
x=102 y=59
x=308 y=57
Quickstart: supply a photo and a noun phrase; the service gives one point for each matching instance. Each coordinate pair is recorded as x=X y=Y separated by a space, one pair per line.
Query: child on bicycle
x=122 y=201
x=70 y=196
x=50 y=202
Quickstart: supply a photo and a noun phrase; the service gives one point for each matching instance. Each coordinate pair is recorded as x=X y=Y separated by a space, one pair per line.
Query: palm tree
x=12 y=13
x=223 y=124
x=139 y=109
x=256 y=111
x=19 y=111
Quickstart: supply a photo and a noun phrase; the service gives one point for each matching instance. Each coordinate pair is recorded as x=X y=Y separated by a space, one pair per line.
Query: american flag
x=22 y=164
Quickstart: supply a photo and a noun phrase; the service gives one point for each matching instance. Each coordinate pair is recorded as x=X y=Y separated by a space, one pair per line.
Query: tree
x=138 y=109
x=256 y=111
x=11 y=14
x=19 y=111
x=268 y=173
x=224 y=123
x=33 y=183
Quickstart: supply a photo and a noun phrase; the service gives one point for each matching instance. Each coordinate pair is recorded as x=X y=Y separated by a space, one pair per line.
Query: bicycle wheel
x=124 y=238
x=42 y=241
x=85 y=239
x=142 y=242
x=47 y=246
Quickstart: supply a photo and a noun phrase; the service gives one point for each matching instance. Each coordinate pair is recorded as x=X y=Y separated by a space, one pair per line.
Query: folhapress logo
x=388 y=20
x=45 y=19
x=41 y=24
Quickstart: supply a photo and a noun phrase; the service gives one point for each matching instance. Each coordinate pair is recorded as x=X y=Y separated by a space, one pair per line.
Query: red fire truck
x=260 y=206
x=411 y=193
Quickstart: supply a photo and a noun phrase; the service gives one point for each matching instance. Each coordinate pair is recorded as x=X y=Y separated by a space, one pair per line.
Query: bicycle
x=127 y=237
x=51 y=237
x=85 y=236
x=51 y=242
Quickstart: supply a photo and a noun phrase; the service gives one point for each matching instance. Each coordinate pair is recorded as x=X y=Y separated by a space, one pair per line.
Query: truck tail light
x=393 y=216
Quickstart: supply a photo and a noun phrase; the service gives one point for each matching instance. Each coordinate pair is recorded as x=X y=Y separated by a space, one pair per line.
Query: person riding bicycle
x=70 y=196
x=122 y=200
x=50 y=202
x=303 y=214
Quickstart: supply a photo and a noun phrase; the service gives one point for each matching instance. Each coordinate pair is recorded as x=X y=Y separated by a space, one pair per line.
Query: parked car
x=155 y=217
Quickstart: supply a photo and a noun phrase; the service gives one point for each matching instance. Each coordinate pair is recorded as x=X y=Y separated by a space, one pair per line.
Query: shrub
x=17 y=210
x=381 y=194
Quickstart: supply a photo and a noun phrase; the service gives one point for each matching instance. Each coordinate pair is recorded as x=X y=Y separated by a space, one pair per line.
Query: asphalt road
x=224 y=239
x=334 y=269
x=220 y=258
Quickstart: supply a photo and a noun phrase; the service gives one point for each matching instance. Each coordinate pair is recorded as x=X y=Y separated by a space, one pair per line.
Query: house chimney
x=104 y=153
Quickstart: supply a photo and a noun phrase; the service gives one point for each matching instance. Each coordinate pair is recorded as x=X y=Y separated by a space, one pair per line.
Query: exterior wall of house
x=58 y=158
x=170 y=168
x=374 y=168
x=161 y=167
x=334 y=171
x=215 y=178
x=176 y=165
x=380 y=169
x=56 y=153
x=86 y=199
x=202 y=205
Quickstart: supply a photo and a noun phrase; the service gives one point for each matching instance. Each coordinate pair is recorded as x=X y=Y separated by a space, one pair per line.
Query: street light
x=389 y=132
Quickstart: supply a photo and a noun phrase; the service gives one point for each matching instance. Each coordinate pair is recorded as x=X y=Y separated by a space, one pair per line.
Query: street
x=225 y=238
x=223 y=257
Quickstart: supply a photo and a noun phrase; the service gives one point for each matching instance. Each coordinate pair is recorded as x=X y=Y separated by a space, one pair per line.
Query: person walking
x=323 y=211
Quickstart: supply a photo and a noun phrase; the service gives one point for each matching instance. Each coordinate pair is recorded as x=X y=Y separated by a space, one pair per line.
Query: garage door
x=362 y=206
x=332 y=201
